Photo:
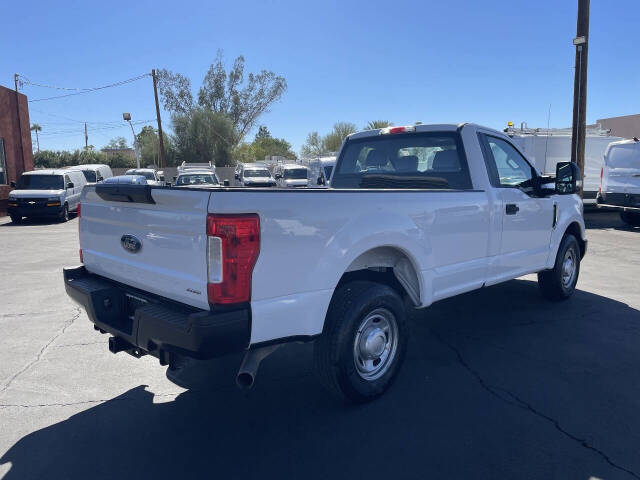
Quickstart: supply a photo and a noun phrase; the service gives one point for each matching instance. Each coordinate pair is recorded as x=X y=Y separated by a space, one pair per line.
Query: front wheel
x=64 y=215
x=559 y=283
x=364 y=341
x=16 y=218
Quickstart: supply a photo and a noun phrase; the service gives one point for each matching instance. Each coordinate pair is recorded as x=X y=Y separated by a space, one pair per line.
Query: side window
x=507 y=166
x=66 y=181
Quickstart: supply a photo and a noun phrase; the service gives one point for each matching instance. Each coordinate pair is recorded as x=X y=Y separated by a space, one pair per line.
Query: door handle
x=512 y=209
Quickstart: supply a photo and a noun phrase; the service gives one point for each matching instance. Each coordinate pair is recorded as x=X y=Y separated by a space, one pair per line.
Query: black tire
x=354 y=305
x=630 y=218
x=551 y=282
x=64 y=215
x=16 y=218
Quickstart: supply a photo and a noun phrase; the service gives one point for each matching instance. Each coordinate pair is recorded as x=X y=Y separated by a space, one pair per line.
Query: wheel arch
x=390 y=265
x=574 y=229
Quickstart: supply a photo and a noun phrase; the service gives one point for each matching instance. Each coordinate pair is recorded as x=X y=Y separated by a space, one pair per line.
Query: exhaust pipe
x=249 y=366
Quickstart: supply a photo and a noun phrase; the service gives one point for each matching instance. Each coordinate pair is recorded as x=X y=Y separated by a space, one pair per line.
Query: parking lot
x=498 y=383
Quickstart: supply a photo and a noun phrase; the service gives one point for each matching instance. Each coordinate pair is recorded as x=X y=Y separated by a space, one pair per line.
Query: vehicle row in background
x=620 y=180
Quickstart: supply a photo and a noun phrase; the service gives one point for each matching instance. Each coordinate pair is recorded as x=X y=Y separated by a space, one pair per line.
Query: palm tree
x=375 y=124
x=36 y=128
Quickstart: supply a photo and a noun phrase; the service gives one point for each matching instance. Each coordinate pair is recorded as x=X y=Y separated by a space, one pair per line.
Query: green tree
x=202 y=135
x=313 y=146
x=36 y=128
x=376 y=124
x=263 y=132
x=117 y=143
x=242 y=98
x=333 y=140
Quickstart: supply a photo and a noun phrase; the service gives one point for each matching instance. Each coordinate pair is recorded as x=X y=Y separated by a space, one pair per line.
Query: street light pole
x=136 y=144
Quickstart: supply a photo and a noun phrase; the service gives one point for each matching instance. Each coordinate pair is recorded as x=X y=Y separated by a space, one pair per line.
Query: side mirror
x=70 y=185
x=278 y=175
x=237 y=176
x=175 y=178
x=161 y=178
x=568 y=178
x=226 y=182
x=13 y=184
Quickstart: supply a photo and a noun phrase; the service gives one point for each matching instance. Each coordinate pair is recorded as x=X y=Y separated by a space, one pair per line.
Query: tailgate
x=155 y=242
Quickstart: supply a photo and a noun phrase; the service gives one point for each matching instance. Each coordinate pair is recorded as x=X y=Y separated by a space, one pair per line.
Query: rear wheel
x=364 y=341
x=16 y=218
x=560 y=282
x=632 y=219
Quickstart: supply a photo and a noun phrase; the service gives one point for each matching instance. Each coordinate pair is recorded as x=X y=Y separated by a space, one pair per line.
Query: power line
x=78 y=91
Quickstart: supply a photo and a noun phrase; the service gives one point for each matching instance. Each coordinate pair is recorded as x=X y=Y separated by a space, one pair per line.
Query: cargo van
x=620 y=180
x=46 y=193
x=94 y=173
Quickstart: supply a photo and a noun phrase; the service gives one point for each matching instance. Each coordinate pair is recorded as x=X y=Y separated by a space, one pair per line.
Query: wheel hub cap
x=375 y=344
x=568 y=268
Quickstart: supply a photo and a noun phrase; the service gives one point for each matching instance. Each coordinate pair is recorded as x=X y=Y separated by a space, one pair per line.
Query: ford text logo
x=130 y=243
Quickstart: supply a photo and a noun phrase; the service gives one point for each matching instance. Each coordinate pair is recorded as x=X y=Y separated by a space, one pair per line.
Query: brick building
x=627 y=126
x=13 y=159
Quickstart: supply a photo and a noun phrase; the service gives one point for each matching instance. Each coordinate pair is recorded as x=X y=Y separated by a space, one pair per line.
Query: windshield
x=295 y=173
x=145 y=174
x=40 y=182
x=199 y=179
x=90 y=175
x=327 y=171
x=429 y=160
x=257 y=173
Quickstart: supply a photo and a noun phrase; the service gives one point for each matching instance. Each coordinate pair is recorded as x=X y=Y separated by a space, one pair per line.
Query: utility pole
x=578 y=131
x=160 y=139
x=15 y=82
x=86 y=138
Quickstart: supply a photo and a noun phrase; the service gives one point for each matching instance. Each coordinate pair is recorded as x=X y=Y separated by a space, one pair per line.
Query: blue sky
x=432 y=61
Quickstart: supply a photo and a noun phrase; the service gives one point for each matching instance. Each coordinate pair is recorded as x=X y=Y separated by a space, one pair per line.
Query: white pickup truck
x=414 y=215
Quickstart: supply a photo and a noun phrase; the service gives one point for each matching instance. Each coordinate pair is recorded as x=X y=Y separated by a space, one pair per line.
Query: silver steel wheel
x=569 y=264
x=376 y=344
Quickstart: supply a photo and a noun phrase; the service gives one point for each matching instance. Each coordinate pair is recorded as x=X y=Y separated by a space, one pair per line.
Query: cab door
x=527 y=219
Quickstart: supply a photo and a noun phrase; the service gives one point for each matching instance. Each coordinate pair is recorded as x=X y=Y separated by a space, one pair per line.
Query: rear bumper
x=147 y=324
x=619 y=201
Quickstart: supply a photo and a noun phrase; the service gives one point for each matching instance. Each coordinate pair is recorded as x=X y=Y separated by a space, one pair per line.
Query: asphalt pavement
x=498 y=384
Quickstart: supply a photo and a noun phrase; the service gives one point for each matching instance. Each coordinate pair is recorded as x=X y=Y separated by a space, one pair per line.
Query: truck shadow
x=443 y=418
x=27 y=221
x=603 y=219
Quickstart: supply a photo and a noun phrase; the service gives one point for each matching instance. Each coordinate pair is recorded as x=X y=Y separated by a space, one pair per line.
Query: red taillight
x=81 y=259
x=600 y=186
x=231 y=266
x=391 y=130
x=79 y=208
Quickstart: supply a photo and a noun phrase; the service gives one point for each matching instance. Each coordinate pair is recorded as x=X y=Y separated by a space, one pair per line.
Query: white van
x=620 y=180
x=94 y=173
x=46 y=193
x=291 y=175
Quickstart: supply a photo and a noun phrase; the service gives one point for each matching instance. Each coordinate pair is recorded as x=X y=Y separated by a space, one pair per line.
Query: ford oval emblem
x=130 y=243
